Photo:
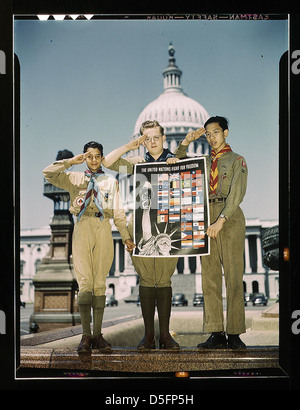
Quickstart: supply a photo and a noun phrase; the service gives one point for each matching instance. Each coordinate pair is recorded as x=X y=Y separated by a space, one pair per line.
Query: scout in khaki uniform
x=154 y=273
x=227 y=173
x=94 y=199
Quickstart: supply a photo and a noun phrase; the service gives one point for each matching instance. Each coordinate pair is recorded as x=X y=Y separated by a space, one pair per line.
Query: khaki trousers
x=93 y=252
x=227 y=250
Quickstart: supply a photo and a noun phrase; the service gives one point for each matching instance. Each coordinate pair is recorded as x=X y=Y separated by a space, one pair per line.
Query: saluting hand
x=134 y=144
x=78 y=159
x=193 y=135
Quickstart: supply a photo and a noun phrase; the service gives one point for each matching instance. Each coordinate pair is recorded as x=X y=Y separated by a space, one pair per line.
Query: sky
x=89 y=80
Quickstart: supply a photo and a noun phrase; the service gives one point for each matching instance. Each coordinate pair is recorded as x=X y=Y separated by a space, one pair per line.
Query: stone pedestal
x=55 y=302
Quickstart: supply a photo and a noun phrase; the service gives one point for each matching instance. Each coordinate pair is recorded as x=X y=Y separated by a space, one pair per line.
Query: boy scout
x=227 y=174
x=154 y=273
x=94 y=199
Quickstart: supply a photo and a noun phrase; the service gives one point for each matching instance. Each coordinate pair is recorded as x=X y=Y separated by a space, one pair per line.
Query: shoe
x=234 y=342
x=98 y=342
x=147 y=343
x=85 y=344
x=217 y=340
x=167 y=342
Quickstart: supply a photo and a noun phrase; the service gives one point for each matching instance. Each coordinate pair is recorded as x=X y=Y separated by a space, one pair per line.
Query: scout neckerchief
x=214 y=169
x=162 y=158
x=92 y=188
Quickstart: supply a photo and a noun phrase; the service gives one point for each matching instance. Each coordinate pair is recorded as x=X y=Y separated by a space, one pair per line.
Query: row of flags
x=180 y=199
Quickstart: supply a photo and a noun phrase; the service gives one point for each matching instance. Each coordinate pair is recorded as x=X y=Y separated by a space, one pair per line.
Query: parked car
x=198 y=299
x=259 y=299
x=111 y=301
x=179 y=299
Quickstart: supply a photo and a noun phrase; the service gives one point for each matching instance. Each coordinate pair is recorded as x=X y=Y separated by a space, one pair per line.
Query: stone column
x=247 y=256
x=117 y=258
x=260 y=267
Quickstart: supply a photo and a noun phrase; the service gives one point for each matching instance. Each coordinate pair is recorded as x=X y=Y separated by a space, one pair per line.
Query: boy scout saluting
x=154 y=273
x=94 y=199
x=227 y=174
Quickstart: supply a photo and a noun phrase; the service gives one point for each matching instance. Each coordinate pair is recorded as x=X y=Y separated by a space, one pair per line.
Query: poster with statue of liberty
x=171 y=212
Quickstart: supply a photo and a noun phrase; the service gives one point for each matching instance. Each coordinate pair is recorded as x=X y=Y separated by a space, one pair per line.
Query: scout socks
x=85 y=304
x=147 y=299
x=98 y=303
x=164 y=303
x=98 y=342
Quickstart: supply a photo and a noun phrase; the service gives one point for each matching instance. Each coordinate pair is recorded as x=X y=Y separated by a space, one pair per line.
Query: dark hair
x=64 y=154
x=93 y=144
x=151 y=124
x=222 y=121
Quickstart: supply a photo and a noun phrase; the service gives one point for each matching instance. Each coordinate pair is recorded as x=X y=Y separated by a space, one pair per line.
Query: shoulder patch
x=242 y=160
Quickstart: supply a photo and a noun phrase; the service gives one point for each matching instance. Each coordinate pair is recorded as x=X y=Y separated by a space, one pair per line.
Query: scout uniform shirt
x=76 y=184
x=232 y=181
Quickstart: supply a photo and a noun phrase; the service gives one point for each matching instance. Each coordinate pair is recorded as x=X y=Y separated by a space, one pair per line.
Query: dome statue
x=175 y=111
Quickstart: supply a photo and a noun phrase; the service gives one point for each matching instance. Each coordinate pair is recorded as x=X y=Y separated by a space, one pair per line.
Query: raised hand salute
x=193 y=135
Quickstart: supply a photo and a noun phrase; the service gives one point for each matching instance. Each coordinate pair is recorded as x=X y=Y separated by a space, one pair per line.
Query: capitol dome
x=175 y=111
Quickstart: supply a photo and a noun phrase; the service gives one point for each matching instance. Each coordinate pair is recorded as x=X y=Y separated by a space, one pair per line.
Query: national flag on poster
x=163 y=177
x=186 y=192
x=187 y=244
x=174 y=217
x=162 y=218
x=197 y=200
x=176 y=201
x=197 y=190
x=198 y=217
x=199 y=244
x=198 y=208
x=162 y=211
x=186 y=200
x=186 y=183
x=186 y=235
x=185 y=175
x=186 y=217
x=162 y=203
x=174 y=177
x=186 y=226
x=196 y=173
x=175 y=193
x=186 y=208
x=198 y=226
x=198 y=235
x=175 y=184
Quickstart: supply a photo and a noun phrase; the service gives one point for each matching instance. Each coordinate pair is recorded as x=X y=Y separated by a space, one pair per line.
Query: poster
x=171 y=211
